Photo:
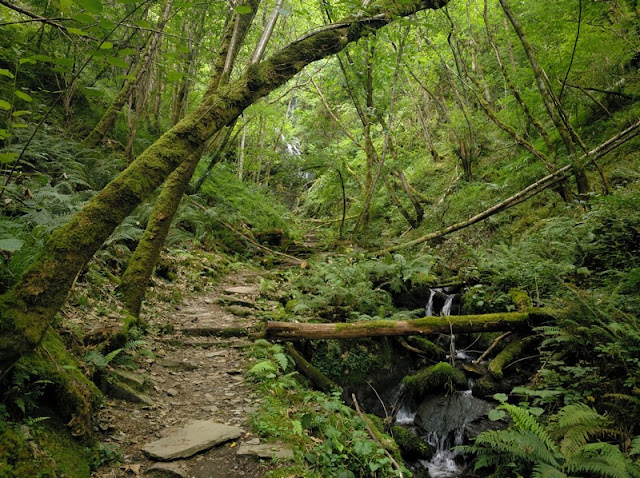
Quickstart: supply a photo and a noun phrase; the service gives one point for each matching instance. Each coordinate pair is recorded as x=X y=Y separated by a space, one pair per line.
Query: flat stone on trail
x=266 y=450
x=241 y=289
x=194 y=437
x=166 y=470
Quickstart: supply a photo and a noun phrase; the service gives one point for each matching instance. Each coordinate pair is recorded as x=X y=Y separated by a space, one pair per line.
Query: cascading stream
x=443 y=418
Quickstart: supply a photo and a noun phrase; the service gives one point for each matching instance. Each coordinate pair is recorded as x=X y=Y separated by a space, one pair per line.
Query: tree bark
x=106 y=122
x=551 y=102
x=29 y=307
x=136 y=277
x=460 y=324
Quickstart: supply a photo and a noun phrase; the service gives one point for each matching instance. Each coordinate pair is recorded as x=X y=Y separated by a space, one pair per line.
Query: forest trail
x=193 y=375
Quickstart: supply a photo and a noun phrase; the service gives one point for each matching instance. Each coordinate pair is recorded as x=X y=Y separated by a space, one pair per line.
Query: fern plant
x=560 y=448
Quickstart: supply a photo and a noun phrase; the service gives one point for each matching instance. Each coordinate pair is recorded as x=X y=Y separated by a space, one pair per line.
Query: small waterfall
x=440 y=302
x=443 y=463
x=429 y=308
x=448 y=302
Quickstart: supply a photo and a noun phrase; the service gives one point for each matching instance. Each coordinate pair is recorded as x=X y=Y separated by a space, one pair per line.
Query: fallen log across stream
x=457 y=324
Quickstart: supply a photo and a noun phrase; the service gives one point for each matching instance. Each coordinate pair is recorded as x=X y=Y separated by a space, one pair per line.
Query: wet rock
x=234 y=300
x=266 y=450
x=239 y=310
x=166 y=470
x=194 y=437
x=443 y=415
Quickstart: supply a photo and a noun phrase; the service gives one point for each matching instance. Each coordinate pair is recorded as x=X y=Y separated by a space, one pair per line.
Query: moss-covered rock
x=438 y=377
x=411 y=446
x=520 y=298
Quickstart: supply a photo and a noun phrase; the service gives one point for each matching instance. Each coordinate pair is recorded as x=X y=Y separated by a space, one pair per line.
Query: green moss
x=44 y=450
x=438 y=377
x=351 y=363
x=520 y=298
x=388 y=443
x=411 y=446
x=77 y=398
x=510 y=353
x=429 y=348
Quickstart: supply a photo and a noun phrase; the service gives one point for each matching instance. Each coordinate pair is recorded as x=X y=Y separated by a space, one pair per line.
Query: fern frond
x=574 y=424
x=544 y=470
x=602 y=459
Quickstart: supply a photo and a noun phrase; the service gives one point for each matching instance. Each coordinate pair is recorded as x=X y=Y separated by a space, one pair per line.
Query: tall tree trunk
x=29 y=307
x=182 y=94
x=387 y=138
x=550 y=101
x=129 y=86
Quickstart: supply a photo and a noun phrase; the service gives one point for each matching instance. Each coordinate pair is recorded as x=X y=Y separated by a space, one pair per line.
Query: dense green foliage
x=434 y=119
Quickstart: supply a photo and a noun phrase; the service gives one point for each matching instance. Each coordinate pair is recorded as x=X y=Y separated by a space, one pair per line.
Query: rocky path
x=195 y=378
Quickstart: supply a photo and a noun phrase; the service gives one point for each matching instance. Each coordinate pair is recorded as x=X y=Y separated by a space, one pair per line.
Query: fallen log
x=457 y=324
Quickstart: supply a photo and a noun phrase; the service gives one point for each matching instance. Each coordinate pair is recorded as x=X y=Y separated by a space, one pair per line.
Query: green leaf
x=5 y=105
x=17 y=114
x=119 y=62
x=93 y=91
x=10 y=245
x=495 y=415
x=106 y=46
x=92 y=6
x=23 y=96
x=29 y=61
x=40 y=57
x=297 y=427
x=242 y=9
x=65 y=61
x=4 y=134
x=106 y=24
x=77 y=31
x=126 y=52
x=174 y=76
x=5 y=72
x=142 y=24
x=501 y=397
x=84 y=18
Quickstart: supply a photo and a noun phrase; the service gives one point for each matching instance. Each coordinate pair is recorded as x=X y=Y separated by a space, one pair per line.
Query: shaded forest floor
x=192 y=374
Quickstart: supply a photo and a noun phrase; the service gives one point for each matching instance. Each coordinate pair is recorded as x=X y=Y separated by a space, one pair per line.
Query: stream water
x=442 y=421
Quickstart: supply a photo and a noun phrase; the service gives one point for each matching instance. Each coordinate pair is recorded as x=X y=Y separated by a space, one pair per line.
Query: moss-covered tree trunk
x=108 y=118
x=29 y=307
x=459 y=324
x=141 y=264
x=140 y=267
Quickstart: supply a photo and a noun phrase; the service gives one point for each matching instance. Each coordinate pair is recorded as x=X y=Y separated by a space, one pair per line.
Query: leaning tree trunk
x=106 y=122
x=141 y=264
x=135 y=279
x=29 y=307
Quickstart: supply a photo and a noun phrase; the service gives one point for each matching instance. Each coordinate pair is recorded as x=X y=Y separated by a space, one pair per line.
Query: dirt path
x=192 y=377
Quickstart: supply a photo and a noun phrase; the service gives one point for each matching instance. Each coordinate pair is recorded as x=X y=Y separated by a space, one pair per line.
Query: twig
x=491 y=347
x=573 y=53
x=373 y=435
